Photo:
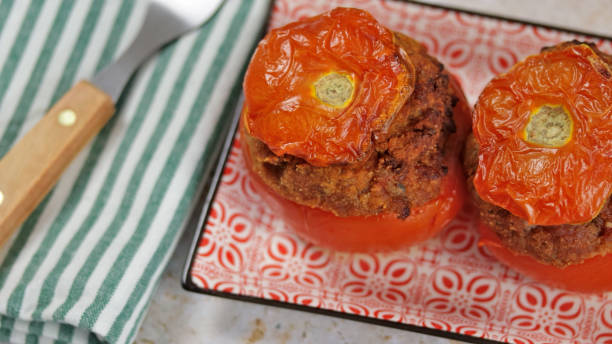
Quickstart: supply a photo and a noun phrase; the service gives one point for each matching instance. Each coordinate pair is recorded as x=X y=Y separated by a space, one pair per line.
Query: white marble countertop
x=178 y=316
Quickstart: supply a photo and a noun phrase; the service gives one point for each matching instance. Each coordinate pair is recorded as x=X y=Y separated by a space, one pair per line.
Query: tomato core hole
x=549 y=126
x=334 y=89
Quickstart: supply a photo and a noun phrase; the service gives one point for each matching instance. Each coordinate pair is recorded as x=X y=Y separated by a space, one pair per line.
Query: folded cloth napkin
x=85 y=264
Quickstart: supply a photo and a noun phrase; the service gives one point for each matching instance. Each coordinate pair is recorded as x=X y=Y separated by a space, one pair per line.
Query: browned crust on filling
x=404 y=168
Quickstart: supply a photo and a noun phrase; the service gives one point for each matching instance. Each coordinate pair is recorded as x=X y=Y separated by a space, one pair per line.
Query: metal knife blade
x=165 y=20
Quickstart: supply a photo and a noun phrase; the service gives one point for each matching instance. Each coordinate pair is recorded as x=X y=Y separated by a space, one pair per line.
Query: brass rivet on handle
x=1 y=197
x=66 y=118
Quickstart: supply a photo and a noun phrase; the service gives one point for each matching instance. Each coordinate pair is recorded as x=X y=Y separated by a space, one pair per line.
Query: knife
x=35 y=163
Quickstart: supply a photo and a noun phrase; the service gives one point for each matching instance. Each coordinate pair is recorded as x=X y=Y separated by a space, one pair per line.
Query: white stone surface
x=177 y=316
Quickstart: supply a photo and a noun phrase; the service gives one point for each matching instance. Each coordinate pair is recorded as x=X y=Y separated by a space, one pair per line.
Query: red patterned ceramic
x=447 y=283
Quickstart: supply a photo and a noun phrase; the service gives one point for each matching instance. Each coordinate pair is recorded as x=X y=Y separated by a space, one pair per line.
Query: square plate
x=447 y=286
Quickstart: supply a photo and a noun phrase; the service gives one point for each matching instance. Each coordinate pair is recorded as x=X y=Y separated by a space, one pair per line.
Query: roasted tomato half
x=591 y=276
x=369 y=233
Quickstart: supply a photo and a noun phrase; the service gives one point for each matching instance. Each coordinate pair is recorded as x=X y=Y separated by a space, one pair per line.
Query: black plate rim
x=212 y=177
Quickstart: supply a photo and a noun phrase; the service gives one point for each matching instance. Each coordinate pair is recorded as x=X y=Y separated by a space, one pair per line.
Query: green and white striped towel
x=84 y=266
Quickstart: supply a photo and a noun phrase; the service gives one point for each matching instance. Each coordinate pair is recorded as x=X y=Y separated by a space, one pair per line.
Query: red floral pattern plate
x=448 y=285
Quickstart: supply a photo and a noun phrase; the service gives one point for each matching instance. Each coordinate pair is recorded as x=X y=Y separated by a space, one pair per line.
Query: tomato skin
x=591 y=276
x=284 y=112
x=563 y=184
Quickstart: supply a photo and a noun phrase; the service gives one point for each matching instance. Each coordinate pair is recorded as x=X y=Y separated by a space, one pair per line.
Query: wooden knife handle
x=36 y=161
